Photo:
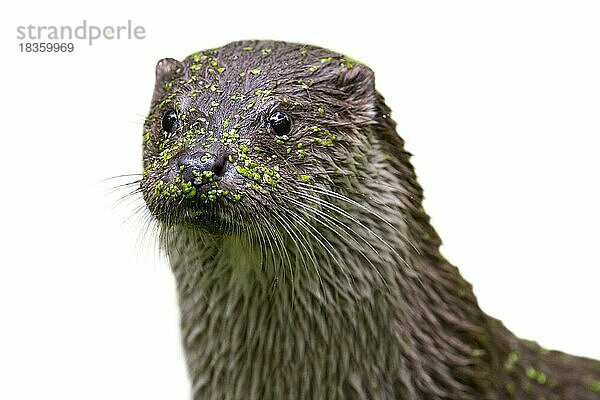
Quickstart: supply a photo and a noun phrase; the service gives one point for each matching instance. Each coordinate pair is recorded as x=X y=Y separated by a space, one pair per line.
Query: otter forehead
x=243 y=67
x=236 y=80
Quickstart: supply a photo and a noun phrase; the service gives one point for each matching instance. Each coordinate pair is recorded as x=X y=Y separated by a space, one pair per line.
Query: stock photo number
x=37 y=47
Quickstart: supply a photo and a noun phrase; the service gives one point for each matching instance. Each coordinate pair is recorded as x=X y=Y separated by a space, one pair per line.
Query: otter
x=305 y=264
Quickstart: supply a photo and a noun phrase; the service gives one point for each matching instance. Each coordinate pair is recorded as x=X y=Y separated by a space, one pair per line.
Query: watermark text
x=85 y=31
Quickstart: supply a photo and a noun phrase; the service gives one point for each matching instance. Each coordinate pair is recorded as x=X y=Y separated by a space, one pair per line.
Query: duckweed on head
x=536 y=375
x=219 y=111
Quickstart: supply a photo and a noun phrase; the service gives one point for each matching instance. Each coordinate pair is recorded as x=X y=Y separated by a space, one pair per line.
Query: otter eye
x=169 y=121
x=280 y=123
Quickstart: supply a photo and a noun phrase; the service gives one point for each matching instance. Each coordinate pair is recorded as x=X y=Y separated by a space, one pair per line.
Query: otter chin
x=306 y=266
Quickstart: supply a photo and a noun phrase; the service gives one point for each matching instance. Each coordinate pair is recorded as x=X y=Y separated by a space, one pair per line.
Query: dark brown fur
x=326 y=283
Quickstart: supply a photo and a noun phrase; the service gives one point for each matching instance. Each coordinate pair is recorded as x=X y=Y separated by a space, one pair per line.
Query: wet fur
x=333 y=288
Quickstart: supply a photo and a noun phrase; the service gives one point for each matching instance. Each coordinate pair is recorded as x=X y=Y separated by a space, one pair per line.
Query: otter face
x=234 y=132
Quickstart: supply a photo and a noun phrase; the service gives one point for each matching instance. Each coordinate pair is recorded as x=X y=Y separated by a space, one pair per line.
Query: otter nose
x=202 y=168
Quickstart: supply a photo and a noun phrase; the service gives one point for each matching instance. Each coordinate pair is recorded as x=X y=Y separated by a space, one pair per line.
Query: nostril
x=219 y=165
x=187 y=170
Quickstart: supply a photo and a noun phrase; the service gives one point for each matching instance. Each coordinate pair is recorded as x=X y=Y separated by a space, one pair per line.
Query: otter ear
x=166 y=70
x=357 y=81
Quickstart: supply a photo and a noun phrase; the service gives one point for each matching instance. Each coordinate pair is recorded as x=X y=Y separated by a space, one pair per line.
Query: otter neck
x=274 y=322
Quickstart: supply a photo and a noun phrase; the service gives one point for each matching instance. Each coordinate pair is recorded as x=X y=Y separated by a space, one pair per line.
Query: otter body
x=306 y=267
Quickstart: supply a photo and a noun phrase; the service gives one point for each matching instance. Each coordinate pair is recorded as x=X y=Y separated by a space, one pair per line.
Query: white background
x=499 y=103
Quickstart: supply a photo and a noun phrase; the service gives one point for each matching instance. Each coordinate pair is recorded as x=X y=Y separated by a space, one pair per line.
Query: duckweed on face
x=226 y=101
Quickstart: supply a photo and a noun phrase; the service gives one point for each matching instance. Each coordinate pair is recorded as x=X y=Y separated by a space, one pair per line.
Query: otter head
x=235 y=135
